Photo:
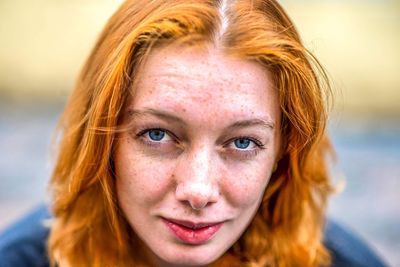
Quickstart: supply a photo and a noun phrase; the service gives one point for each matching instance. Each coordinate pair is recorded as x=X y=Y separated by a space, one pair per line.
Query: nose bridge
x=200 y=159
x=197 y=183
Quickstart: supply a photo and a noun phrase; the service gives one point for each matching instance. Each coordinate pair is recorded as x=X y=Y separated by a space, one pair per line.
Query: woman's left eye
x=244 y=144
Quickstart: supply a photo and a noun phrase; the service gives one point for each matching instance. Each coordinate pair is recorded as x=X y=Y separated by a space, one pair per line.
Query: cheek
x=140 y=181
x=245 y=187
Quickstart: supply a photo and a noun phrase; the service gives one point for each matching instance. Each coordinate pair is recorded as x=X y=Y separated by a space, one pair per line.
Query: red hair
x=90 y=230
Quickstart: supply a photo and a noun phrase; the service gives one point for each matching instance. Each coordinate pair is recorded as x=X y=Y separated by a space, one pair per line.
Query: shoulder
x=347 y=249
x=24 y=243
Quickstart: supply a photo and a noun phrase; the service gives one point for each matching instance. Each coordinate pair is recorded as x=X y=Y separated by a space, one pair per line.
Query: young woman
x=195 y=136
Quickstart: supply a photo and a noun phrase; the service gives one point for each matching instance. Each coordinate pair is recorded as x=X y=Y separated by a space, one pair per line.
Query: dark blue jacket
x=24 y=244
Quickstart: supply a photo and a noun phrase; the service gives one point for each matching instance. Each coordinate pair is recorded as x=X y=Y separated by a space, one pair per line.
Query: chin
x=188 y=256
x=187 y=261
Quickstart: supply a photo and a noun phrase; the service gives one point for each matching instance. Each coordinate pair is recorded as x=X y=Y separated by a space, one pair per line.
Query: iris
x=156 y=135
x=242 y=143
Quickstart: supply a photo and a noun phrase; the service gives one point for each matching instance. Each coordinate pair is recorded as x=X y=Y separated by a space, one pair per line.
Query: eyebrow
x=253 y=122
x=161 y=114
x=265 y=123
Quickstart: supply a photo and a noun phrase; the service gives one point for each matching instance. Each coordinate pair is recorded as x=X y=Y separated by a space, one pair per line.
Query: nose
x=197 y=182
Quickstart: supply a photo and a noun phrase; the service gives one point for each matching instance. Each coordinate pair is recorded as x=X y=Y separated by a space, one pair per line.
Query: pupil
x=242 y=143
x=156 y=135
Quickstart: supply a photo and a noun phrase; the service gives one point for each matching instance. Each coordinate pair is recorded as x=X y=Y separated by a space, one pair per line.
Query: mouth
x=192 y=233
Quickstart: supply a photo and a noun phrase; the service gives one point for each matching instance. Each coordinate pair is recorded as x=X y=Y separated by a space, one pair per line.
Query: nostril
x=197 y=195
x=198 y=203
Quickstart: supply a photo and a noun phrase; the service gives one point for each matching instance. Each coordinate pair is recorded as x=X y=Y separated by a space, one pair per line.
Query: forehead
x=203 y=80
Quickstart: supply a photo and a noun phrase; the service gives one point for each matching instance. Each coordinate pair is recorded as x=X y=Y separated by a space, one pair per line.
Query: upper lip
x=192 y=225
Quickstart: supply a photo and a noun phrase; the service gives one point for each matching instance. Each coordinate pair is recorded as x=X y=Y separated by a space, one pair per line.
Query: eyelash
x=256 y=142
x=142 y=134
x=247 y=153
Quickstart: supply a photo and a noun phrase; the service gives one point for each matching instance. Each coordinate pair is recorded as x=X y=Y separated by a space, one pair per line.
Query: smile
x=192 y=233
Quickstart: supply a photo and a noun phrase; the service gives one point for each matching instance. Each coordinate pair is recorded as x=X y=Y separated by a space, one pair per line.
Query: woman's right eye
x=156 y=135
x=158 y=141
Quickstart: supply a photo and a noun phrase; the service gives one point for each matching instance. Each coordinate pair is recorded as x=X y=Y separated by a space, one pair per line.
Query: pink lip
x=192 y=233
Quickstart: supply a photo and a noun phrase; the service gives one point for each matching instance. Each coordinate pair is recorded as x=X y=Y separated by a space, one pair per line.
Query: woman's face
x=192 y=170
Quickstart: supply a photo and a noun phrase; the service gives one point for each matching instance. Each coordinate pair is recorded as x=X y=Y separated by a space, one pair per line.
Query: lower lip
x=193 y=236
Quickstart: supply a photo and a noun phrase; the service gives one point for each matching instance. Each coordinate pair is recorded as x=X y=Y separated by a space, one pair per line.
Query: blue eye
x=242 y=143
x=156 y=134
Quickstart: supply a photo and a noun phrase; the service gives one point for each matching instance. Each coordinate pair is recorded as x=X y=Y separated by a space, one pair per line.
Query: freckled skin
x=198 y=175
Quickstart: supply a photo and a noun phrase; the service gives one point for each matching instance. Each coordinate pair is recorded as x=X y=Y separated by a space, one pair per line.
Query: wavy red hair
x=90 y=230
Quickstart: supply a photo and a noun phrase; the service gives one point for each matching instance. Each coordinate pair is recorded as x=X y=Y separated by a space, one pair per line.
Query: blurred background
x=44 y=43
